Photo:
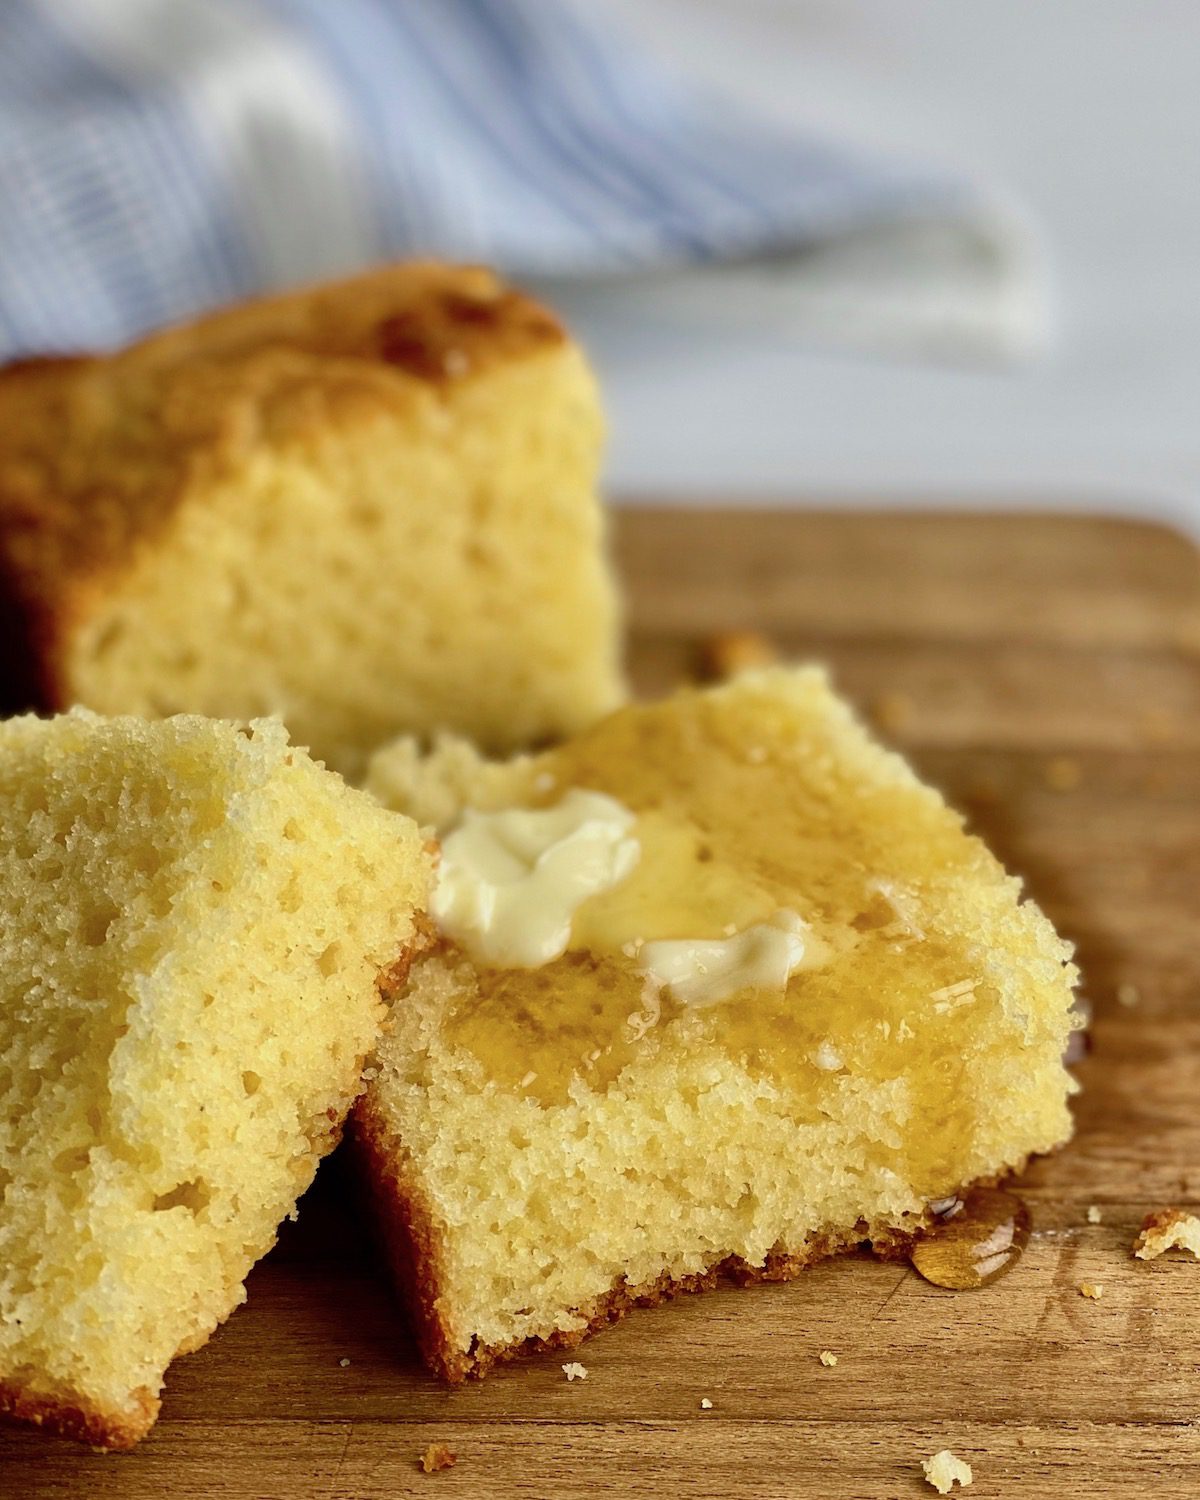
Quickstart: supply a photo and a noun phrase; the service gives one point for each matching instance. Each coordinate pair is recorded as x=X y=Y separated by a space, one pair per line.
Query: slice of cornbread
x=367 y=507
x=805 y=1005
x=195 y=919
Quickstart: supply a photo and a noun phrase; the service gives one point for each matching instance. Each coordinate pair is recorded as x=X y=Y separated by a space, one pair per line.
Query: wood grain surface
x=1046 y=673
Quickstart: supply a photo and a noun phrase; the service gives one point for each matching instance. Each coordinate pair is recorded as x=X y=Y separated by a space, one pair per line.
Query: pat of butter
x=704 y=972
x=510 y=882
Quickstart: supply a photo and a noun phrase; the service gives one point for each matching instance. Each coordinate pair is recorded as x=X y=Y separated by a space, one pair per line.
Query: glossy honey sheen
x=744 y=810
x=976 y=1240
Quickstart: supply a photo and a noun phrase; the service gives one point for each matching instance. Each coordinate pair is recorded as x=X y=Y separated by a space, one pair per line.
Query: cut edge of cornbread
x=394 y=1146
x=412 y=1247
x=148 y=1218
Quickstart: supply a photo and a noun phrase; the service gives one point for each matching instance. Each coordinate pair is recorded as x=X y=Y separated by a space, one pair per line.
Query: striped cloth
x=162 y=156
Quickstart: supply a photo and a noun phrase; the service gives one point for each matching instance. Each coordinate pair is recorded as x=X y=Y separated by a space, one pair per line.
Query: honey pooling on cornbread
x=548 y=1142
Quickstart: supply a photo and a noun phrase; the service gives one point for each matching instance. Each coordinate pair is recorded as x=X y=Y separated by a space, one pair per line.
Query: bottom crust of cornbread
x=108 y=1430
x=410 y=1241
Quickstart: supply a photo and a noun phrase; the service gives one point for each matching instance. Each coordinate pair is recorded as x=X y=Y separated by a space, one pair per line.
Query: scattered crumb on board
x=705 y=1404
x=943 y=1471
x=575 y=1371
x=1092 y=1289
x=1094 y=1216
x=437 y=1456
x=732 y=651
x=1167 y=1229
x=828 y=1357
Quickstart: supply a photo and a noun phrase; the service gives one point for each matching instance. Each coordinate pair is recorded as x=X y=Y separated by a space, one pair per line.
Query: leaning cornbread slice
x=722 y=987
x=195 y=923
x=368 y=507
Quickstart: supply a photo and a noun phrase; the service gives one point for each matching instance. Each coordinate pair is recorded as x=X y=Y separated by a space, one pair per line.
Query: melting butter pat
x=702 y=972
x=510 y=882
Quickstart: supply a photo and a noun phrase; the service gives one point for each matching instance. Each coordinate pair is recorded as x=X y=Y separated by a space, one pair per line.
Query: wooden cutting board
x=1045 y=672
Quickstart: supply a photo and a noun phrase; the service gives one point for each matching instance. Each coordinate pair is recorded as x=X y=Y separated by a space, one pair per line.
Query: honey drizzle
x=743 y=810
x=975 y=1241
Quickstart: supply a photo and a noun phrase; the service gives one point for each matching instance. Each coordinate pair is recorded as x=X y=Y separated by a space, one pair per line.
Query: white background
x=1089 y=112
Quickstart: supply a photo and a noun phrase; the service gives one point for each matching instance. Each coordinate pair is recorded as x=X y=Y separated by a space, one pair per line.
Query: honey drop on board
x=976 y=1239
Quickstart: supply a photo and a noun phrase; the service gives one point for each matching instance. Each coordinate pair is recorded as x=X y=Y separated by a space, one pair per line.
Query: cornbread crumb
x=943 y=1470
x=1063 y=774
x=602 y=1171
x=733 y=651
x=1092 y=1289
x=1167 y=1229
x=194 y=917
x=893 y=712
x=1128 y=995
x=344 y=1363
x=828 y=1358
x=436 y=1457
x=1094 y=1216
x=705 y=1404
x=415 y=447
x=575 y=1371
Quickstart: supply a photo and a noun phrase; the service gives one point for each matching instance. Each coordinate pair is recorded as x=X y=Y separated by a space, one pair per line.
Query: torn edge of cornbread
x=789 y=1004
x=198 y=923
x=369 y=507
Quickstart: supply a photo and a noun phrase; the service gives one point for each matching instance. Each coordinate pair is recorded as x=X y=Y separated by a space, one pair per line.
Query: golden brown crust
x=1165 y=1229
x=1163 y=1221
x=455 y=333
x=410 y=1239
x=109 y=1430
x=98 y=455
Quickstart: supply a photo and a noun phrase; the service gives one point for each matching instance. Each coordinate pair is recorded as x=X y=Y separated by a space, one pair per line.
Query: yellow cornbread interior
x=195 y=918
x=565 y=1136
x=382 y=554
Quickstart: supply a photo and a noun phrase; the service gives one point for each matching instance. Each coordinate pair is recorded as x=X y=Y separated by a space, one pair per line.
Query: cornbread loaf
x=804 y=1006
x=367 y=507
x=195 y=919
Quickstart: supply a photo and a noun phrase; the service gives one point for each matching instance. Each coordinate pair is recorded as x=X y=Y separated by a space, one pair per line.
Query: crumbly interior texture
x=367 y=509
x=195 y=921
x=943 y=1471
x=1167 y=1229
x=544 y=1148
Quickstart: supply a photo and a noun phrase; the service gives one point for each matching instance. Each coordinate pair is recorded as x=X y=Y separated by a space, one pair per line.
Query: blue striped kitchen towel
x=162 y=156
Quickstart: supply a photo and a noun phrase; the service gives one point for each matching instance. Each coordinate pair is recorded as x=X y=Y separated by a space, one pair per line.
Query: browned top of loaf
x=97 y=453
